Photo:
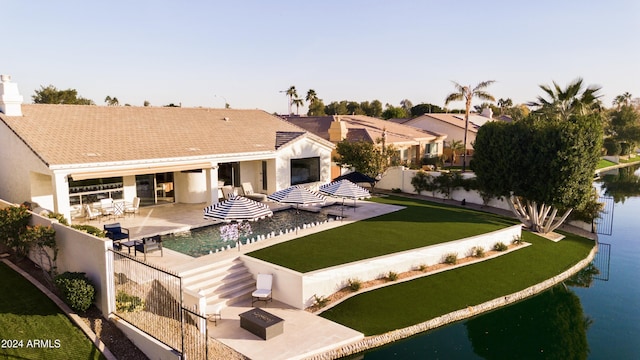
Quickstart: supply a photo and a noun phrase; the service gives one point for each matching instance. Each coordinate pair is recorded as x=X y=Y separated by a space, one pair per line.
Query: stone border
x=375 y=341
x=70 y=314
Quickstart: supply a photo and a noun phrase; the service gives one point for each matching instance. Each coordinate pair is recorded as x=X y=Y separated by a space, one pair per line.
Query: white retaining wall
x=298 y=289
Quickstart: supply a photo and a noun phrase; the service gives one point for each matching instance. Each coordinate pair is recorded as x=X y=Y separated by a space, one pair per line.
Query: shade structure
x=297 y=195
x=345 y=189
x=237 y=208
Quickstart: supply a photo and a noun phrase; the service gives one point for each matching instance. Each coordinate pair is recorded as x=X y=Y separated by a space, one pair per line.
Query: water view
x=595 y=316
x=208 y=239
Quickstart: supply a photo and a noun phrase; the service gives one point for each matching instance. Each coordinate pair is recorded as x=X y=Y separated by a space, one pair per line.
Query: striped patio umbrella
x=345 y=189
x=297 y=195
x=237 y=208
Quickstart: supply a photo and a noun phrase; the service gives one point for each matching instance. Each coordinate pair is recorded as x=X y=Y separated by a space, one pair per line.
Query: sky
x=246 y=53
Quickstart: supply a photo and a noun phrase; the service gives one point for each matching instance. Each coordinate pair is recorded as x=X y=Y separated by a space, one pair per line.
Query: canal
x=594 y=316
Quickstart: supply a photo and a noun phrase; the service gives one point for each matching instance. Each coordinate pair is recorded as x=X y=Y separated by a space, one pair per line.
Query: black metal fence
x=151 y=299
x=603 y=224
x=602 y=261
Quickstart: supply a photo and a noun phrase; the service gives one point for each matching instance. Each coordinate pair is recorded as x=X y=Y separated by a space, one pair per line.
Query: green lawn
x=605 y=163
x=422 y=223
x=27 y=316
x=419 y=300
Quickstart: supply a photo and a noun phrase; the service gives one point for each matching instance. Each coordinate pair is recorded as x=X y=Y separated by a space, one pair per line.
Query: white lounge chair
x=134 y=207
x=263 y=288
x=227 y=191
x=90 y=213
x=106 y=206
x=250 y=194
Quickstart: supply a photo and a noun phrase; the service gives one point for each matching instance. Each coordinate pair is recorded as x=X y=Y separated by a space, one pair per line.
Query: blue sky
x=199 y=53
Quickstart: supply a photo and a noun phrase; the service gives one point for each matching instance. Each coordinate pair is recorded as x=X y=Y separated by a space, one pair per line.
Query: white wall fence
x=298 y=289
x=80 y=252
x=399 y=177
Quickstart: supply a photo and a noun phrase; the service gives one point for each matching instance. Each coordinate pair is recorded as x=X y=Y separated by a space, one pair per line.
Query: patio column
x=61 y=195
x=212 y=184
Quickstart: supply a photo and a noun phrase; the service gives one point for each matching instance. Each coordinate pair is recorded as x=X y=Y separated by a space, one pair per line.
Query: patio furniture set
x=112 y=208
x=121 y=239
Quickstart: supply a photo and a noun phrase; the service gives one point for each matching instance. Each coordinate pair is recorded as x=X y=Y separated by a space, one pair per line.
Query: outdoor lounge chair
x=134 y=207
x=227 y=191
x=249 y=194
x=263 y=288
x=116 y=232
x=106 y=206
x=90 y=213
x=149 y=244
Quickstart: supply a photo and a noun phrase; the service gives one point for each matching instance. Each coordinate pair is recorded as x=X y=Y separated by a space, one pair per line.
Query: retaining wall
x=298 y=289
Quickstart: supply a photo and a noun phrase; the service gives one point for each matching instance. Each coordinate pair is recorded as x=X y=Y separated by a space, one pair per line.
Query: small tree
x=13 y=222
x=363 y=156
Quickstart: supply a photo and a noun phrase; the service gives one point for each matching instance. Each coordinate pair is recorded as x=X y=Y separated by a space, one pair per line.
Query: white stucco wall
x=298 y=289
x=190 y=187
x=17 y=162
x=452 y=132
x=300 y=149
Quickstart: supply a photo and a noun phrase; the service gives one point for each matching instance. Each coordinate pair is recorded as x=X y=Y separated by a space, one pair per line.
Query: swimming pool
x=207 y=240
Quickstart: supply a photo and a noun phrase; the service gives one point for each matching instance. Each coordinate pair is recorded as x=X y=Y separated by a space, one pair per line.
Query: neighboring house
x=64 y=156
x=452 y=125
x=412 y=144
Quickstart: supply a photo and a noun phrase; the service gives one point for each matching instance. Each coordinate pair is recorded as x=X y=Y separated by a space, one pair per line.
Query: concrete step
x=230 y=290
x=214 y=304
x=215 y=274
x=220 y=280
x=195 y=267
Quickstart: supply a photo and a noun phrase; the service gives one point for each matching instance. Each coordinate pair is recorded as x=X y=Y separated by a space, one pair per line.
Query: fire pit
x=261 y=323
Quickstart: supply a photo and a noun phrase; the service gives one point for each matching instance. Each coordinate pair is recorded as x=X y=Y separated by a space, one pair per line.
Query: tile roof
x=361 y=127
x=76 y=134
x=475 y=121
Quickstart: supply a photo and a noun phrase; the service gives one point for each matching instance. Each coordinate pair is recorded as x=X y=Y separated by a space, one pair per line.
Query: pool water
x=207 y=240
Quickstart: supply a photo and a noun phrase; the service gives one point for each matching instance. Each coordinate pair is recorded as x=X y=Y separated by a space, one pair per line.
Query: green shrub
x=477 y=251
x=422 y=267
x=320 y=301
x=451 y=259
x=90 y=229
x=392 y=276
x=612 y=146
x=76 y=289
x=128 y=303
x=61 y=219
x=396 y=190
x=500 y=246
x=354 y=284
x=14 y=221
x=517 y=240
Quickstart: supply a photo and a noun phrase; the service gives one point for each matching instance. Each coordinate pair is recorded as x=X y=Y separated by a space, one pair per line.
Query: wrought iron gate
x=603 y=224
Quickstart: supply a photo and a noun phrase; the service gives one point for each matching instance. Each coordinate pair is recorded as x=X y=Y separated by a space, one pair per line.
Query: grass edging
x=70 y=314
x=375 y=341
x=390 y=283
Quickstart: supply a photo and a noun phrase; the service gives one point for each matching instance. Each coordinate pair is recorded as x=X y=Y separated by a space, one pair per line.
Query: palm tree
x=111 y=101
x=291 y=93
x=297 y=102
x=624 y=99
x=456 y=148
x=573 y=100
x=504 y=104
x=467 y=93
x=311 y=96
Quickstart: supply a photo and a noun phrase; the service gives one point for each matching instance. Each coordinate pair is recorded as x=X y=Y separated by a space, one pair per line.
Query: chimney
x=487 y=112
x=337 y=130
x=10 y=98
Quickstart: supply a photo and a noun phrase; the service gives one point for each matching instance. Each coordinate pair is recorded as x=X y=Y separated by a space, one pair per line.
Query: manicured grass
x=422 y=223
x=27 y=315
x=419 y=300
x=605 y=163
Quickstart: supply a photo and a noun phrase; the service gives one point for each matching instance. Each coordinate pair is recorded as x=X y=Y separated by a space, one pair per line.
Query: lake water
x=601 y=321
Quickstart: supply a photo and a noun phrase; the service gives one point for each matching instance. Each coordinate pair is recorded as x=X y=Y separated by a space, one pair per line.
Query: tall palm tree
x=311 y=96
x=572 y=100
x=291 y=93
x=467 y=93
x=297 y=102
x=504 y=104
x=624 y=99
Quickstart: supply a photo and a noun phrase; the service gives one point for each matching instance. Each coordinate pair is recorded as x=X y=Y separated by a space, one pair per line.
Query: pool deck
x=305 y=334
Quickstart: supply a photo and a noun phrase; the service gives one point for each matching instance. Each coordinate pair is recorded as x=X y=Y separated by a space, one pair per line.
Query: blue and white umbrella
x=237 y=208
x=297 y=195
x=345 y=189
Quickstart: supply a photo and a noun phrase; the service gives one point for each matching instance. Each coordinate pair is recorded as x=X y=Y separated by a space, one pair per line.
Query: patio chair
x=263 y=288
x=134 y=207
x=227 y=191
x=106 y=206
x=116 y=232
x=91 y=214
x=149 y=244
x=214 y=312
x=250 y=194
